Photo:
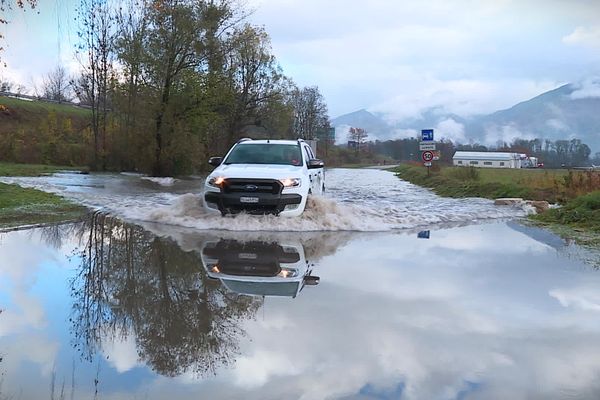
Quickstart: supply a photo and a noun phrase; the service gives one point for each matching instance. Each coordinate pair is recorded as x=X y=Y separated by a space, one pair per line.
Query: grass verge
x=577 y=191
x=20 y=206
x=12 y=169
x=578 y=219
x=554 y=186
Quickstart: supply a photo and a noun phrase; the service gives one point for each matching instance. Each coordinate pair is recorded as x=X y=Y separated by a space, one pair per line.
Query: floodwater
x=150 y=298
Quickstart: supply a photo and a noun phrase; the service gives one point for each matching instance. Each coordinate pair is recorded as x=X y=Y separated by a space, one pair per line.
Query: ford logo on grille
x=251 y=188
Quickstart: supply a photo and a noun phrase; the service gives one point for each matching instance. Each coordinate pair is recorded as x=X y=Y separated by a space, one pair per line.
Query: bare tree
x=56 y=85
x=97 y=32
x=310 y=112
x=358 y=136
x=5 y=85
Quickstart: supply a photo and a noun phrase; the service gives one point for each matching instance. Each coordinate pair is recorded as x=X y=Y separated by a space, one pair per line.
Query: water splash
x=356 y=200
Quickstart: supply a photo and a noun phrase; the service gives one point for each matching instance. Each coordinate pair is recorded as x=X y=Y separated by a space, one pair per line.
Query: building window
x=487 y=163
x=502 y=163
x=460 y=162
x=473 y=162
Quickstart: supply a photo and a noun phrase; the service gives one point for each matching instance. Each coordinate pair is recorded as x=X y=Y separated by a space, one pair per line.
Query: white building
x=484 y=159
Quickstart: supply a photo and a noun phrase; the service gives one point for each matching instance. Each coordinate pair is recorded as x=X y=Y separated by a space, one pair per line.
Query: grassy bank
x=577 y=191
x=554 y=186
x=20 y=206
x=578 y=218
x=12 y=169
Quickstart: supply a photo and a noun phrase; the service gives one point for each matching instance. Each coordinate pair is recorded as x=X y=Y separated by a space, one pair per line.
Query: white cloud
x=557 y=124
x=587 y=88
x=121 y=351
x=418 y=93
x=450 y=129
x=505 y=133
x=341 y=134
x=403 y=133
x=584 y=36
x=585 y=298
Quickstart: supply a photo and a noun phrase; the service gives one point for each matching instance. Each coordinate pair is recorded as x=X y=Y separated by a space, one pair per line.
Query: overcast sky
x=398 y=57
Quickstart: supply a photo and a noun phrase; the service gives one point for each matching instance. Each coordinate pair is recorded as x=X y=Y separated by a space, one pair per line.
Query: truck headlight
x=288 y=273
x=291 y=182
x=216 y=181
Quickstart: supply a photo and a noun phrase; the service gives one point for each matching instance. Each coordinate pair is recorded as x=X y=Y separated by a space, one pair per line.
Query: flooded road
x=131 y=307
x=356 y=200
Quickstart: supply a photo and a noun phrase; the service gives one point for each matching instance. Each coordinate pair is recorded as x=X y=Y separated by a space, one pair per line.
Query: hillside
x=42 y=132
x=375 y=125
x=558 y=114
x=567 y=112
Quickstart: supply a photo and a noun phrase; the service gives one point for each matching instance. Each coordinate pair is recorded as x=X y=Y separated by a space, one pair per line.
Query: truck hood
x=267 y=171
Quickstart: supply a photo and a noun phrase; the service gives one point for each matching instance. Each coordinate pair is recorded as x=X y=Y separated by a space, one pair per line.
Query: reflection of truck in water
x=258 y=268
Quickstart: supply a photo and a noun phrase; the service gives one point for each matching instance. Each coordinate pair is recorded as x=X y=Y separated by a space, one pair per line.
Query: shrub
x=469 y=173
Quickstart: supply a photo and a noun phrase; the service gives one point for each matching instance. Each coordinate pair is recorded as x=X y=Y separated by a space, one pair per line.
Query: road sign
x=427 y=135
x=424 y=235
x=427 y=156
x=423 y=146
x=427 y=164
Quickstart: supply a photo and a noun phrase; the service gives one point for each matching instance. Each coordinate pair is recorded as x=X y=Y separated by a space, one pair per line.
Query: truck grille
x=238 y=185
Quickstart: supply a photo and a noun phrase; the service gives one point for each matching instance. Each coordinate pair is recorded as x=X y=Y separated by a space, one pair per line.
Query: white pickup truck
x=264 y=177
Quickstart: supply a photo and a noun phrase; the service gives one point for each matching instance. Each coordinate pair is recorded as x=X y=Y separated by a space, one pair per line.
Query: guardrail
x=40 y=98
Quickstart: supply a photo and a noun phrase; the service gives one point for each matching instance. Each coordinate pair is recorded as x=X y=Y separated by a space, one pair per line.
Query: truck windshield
x=265 y=153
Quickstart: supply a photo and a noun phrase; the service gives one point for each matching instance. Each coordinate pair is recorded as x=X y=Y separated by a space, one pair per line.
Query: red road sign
x=427 y=156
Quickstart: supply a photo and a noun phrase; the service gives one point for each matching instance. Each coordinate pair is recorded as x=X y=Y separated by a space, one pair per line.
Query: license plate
x=247 y=256
x=248 y=199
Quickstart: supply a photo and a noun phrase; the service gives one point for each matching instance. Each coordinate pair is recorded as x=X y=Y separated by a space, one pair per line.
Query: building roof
x=485 y=155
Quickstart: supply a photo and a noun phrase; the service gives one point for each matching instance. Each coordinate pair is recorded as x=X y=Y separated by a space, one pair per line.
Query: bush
x=464 y=173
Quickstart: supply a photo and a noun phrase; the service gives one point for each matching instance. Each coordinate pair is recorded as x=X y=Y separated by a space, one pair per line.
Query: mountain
x=376 y=126
x=563 y=113
x=570 y=111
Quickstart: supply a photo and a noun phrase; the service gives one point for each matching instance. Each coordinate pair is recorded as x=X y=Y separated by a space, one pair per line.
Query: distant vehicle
x=264 y=177
x=531 y=162
x=258 y=268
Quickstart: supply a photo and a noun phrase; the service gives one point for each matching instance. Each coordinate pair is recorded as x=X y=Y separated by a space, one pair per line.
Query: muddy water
x=354 y=306
x=356 y=200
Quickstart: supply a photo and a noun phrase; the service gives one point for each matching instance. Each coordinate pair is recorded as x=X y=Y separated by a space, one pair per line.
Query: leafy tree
x=255 y=78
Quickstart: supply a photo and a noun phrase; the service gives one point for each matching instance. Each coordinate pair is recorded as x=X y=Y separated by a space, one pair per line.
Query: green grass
x=489 y=183
x=41 y=107
x=578 y=191
x=12 y=169
x=582 y=212
x=20 y=206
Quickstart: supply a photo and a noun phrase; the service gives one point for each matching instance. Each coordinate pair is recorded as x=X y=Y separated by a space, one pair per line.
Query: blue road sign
x=427 y=135
x=423 y=235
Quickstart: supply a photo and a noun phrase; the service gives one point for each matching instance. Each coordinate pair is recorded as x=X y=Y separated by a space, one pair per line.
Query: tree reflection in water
x=131 y=282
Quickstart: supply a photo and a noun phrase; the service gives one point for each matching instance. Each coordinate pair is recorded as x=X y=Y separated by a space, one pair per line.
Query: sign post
x=427 y=157
x=427 y=146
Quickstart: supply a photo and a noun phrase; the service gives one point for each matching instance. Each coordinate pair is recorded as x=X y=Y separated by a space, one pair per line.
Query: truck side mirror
x=215 y=161
x=315 y=163
x=310 y=280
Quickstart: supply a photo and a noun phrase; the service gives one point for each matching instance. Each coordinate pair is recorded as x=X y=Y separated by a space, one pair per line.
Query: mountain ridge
x=566 y=112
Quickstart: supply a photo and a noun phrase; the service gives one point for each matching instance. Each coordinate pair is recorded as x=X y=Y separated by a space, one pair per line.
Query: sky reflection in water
x=483 y=311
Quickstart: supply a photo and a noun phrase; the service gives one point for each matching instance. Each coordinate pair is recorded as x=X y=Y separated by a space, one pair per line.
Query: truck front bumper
x=252 y=203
